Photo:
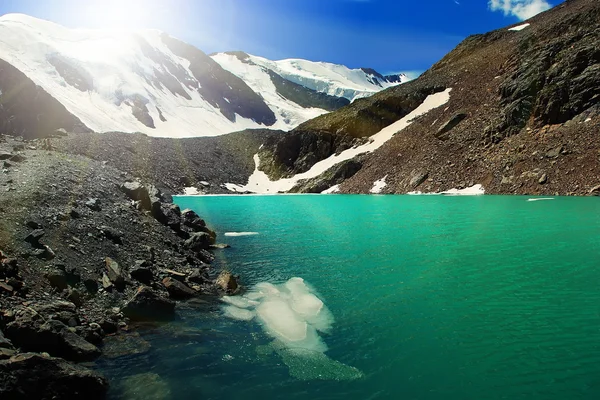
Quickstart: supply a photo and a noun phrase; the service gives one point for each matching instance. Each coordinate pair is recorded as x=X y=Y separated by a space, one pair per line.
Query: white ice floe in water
x=241 y=233
x=259 y=182
x=331 y=190
x=519 y=27
x=293 y=315
x=475 y=190
x=378 y=185
x=541 y=199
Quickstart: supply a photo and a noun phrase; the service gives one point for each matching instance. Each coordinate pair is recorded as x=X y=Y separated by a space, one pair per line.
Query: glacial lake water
x=431 y=297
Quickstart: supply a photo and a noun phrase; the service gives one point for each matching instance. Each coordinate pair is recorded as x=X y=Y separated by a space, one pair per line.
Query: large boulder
x=144 y=386
x=227 y=282
x=137 y=192
x=33 y=376
x=169 y=215
x=199 y=241
x=52 y=336
x=147 y=305
x=177 y=289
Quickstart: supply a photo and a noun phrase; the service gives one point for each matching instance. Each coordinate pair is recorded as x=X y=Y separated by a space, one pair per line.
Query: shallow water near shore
x=430 y=297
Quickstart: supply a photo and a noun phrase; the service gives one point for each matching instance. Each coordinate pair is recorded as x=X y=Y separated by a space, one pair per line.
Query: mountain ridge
x=149 y=82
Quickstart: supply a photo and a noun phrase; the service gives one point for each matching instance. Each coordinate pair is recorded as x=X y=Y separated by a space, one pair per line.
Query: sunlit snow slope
x=332 y=79
x=149 y=82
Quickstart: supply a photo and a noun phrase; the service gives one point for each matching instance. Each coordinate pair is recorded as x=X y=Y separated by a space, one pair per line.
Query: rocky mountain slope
x=150 y=82
x=522 y=117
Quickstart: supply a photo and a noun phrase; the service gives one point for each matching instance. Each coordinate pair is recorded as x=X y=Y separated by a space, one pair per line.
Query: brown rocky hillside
x=523 y=117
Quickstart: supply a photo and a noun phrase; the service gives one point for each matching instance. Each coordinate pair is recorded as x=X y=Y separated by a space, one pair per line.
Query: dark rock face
x=146 y=305
x=21 y=99
x=71 y=73
x=333 y=176
x=31 y=333
x=4 y=342
x=554 y=81
x=33 y=376
x=217 y=84
x=304 y=96
x=296 y=152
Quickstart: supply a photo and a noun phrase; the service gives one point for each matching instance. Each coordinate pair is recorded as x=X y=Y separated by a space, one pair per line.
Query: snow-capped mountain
x=150 y=82
x=332 y=79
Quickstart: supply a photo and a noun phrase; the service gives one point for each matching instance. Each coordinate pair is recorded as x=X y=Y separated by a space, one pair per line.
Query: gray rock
x=198 y=276
x=169 y=215
x=178 y=289
x=57 y=279
x=417 y=178
x=54 y=337
x=34 y=237
x=93 y=204
x=449 y=125
x=33 y=376
x=5 y=155
x=554 y=153
x=17 y=158
x=147 y=305
x=227 y=282
x=114 y=273
x=137 y=192
x=111 y=234
x=199 y=241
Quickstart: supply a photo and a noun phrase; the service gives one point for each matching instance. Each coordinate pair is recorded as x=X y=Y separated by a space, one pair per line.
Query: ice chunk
x=238 y=313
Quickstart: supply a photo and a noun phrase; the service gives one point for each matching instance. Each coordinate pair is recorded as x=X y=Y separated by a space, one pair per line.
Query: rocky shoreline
x=87 y=251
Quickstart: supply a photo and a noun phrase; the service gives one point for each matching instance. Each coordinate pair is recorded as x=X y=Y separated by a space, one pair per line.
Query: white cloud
x=522 y=9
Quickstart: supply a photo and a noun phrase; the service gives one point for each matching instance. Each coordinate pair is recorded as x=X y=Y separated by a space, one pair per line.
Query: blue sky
x=388 y=35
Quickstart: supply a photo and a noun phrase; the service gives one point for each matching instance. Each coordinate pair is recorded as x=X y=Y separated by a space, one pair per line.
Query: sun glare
x=121 y=14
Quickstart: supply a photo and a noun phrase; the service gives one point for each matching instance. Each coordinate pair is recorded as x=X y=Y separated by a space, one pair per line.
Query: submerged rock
x=147 y=305
x=147 y=386
x=124 y=345
x=33 y=376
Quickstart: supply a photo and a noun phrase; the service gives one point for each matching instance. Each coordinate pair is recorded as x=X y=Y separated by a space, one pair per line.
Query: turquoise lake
x=432 y=297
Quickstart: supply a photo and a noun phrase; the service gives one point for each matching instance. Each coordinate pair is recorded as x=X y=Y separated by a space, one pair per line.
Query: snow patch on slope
x=378 y=185
x=259 y=182
x=519 y=27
